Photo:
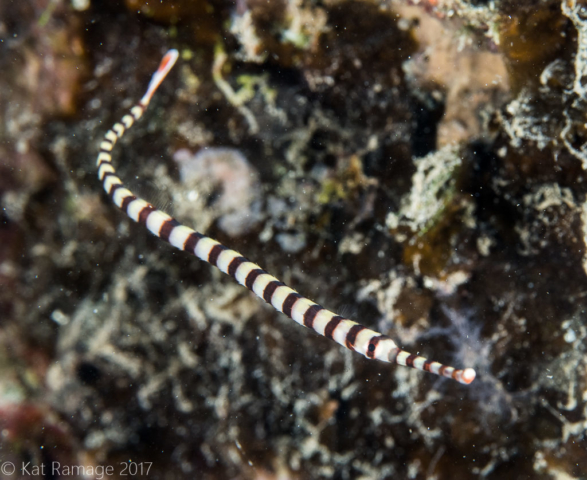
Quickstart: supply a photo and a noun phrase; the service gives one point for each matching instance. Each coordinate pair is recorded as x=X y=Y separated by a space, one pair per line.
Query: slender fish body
x=347 y=333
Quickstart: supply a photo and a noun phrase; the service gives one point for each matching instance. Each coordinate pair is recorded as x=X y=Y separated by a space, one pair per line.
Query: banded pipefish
x=347 y=333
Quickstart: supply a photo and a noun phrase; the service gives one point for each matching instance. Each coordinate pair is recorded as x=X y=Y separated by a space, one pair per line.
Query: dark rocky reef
x=416 y=166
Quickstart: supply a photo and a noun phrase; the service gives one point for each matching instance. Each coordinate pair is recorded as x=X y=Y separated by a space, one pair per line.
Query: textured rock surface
x=417 y=166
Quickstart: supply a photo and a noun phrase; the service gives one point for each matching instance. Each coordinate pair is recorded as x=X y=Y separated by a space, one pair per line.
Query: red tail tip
x=468 y=376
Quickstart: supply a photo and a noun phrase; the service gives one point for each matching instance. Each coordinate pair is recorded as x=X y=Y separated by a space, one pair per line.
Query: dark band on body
x=113 y=189
x=167 y=228
x=331 y=326
x=215 y=253
x=270 y=290
x=234 y=264
x=191 y=242
x=351 y=337
x=289 y=302
x=252 y=276
x=144 y=214
x=410 y=360
x=126 y=202
x=310 y=315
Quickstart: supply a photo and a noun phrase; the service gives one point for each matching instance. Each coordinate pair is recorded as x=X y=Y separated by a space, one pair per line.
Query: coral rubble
x=416 y=165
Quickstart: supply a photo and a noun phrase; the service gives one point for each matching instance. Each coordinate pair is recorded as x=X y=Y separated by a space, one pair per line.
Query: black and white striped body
x=284 y=299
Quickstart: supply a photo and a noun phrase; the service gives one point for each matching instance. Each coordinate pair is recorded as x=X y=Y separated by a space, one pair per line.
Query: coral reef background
x=418 y=166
